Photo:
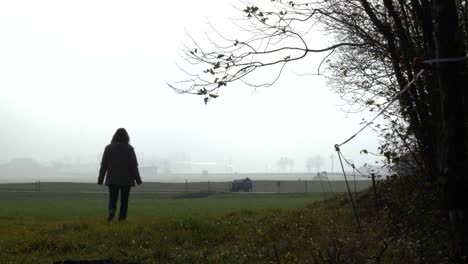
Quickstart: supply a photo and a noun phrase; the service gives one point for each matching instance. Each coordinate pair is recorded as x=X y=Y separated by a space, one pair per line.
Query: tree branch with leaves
x=278 y=37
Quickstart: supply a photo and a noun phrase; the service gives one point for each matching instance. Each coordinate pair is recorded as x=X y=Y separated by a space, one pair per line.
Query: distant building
x=22 y=163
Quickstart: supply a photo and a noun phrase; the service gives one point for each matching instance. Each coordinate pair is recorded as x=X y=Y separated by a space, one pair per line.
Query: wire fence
x=261 y=186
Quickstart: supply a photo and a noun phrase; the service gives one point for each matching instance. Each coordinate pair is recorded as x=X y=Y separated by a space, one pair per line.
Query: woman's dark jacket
x=120 y=163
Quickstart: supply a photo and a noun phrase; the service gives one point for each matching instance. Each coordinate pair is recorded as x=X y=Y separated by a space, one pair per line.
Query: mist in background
x=71 y=73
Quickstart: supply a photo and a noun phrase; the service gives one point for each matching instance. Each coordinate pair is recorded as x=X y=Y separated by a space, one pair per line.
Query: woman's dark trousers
x=114 y=191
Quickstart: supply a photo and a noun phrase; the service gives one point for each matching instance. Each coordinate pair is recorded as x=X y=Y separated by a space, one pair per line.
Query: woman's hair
x=121 y=136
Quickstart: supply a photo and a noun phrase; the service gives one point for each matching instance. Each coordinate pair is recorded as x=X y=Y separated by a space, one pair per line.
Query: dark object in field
x=192 y=195
x=119 y=167
x=94 y=261
x=241 y=185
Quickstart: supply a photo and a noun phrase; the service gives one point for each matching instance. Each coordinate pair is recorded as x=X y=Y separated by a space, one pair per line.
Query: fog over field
x=74 y=72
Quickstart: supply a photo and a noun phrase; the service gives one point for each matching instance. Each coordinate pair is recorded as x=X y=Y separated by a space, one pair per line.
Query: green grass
x=401 y=225
x=44 y=227
x=38 y=207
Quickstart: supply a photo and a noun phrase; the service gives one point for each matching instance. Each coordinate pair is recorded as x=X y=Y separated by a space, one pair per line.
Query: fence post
x=38 y=186
x=209 y=187
x=305 y=182
x=374 y=187
x=186 y=186
x=278 y=184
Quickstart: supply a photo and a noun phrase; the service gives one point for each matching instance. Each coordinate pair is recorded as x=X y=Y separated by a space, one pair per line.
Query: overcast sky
x=72 y=72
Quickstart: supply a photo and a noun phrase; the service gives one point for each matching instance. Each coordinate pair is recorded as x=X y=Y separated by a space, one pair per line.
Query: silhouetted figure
x=119 y=167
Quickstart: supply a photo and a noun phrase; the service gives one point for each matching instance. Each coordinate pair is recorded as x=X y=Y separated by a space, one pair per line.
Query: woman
x=120 y=168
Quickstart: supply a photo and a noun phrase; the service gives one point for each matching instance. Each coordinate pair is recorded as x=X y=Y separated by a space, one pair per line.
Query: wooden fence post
x=374 y=188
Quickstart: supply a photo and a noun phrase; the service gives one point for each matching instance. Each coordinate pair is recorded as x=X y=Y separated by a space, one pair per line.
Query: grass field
x=38 y=207
x=42 y=227
x=402 y=224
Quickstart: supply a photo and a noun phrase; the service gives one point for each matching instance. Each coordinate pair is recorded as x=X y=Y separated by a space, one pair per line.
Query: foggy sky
x=72 y=72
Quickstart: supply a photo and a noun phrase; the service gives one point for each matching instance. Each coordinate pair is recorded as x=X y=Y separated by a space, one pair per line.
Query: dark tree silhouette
x=378 y=48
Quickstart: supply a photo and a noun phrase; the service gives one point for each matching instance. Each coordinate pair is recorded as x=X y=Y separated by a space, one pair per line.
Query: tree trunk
x=449 y=44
